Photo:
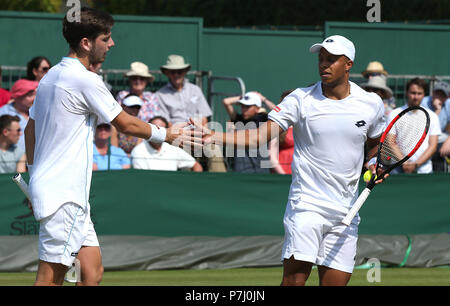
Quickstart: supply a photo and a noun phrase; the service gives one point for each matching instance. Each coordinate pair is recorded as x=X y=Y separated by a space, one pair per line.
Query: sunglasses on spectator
x=17 y=130
x=104 y=127
x=136 y=78
x=177 y=71
x=45 y=69
x=371 y=74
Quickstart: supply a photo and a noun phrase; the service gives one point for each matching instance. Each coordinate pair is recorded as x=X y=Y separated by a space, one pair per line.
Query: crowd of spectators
x=179 y=99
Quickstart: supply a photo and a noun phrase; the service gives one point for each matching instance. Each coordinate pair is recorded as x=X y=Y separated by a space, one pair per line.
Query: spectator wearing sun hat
x=139 y=77
x=180 y=100
x=377 y=84
x=374 y=68
x=23 y=93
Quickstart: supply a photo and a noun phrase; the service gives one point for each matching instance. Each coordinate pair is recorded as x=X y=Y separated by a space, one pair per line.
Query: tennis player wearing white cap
x=59 y=146
x=332 y=120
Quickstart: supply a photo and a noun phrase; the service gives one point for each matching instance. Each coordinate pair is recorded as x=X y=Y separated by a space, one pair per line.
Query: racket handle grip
x=18 y=179
x=356 y=206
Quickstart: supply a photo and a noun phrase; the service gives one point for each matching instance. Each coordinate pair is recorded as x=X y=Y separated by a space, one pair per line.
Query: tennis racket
x=400 y=140
x=18 y=179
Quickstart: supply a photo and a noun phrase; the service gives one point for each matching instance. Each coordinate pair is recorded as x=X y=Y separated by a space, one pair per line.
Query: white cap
x=337 y=45
x=251 y=98
x=132 y=101
x=442 y=85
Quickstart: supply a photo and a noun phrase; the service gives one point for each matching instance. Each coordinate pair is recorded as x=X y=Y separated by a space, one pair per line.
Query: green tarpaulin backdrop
x=170 y=204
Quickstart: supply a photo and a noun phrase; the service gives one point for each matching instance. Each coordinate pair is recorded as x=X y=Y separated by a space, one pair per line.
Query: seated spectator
x=376 y=69
x=420 y=162
x=163 y=156
x=5 y=95
x=247 y=160
x=12 y=157
x=377 y=84
x=23 y=93
x=132 y=105
x=445 y=148
x=37 y=67
x=138 y=78
x=282 y=151
x=107 y=156
x=439 y=103
x=180 y=100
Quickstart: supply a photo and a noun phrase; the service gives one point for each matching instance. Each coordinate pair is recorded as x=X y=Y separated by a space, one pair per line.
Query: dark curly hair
x=92 y=24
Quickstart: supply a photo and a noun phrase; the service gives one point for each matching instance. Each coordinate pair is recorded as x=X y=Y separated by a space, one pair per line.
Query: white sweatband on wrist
x=158 y=134
x=372 y=161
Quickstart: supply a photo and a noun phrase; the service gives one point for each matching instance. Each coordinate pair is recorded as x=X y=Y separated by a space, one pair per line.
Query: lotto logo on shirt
x=277 y=109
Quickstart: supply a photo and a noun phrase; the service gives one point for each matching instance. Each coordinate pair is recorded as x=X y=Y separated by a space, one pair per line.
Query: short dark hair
x=417 y=81
x=5 y=121
x=160 y=118
x=92 y=24
x=34 y=63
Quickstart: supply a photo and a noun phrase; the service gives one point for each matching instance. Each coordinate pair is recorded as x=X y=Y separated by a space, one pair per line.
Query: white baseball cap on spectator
x=337 y=45
x=442 y=86
x=250 y=98
x=131 y=101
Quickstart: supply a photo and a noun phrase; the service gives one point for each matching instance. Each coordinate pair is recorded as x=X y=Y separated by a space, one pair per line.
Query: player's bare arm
x=372 y=148
x=252 y=138
x=29 y=141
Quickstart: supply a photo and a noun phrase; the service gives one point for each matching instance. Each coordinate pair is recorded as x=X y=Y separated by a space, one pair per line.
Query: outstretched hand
x=207 y=134
x=185 y=134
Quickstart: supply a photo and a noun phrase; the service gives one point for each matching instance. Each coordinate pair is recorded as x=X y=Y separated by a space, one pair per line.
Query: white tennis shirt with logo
x=68 y=102
x=329 y=137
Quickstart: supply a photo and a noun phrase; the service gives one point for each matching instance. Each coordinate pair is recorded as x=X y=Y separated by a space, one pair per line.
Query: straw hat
x=139 y=69
x=379 y=83
x=374 y=67
x=175 y=62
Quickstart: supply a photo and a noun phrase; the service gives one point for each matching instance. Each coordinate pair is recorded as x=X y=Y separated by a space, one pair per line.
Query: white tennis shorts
x=321 y=239
x=62 y=234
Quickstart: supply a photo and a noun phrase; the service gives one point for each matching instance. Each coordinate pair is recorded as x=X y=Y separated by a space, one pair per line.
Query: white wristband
x=372 y=161
x=158 y=134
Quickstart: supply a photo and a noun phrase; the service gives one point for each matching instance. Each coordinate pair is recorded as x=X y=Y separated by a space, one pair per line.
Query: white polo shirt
x=434 y=130
x=169 y=158
x=329 y=137
x=68 y=102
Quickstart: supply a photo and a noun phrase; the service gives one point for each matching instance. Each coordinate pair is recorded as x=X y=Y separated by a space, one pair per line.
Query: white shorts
x=62 y=234
x=321 y=239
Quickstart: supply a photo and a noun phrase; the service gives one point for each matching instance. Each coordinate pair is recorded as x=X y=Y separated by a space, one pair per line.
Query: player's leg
x=50 y=274
x=303 y=235
x=91 y=268
x=333 y=277
x=295 y=272
x=60 y=238
x=337 y=254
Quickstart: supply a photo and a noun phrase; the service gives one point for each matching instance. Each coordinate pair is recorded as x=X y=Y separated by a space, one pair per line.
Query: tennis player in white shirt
x=59 y=146
x=332 y=120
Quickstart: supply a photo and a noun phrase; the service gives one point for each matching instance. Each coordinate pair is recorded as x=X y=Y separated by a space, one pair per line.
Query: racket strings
x=403 y=137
